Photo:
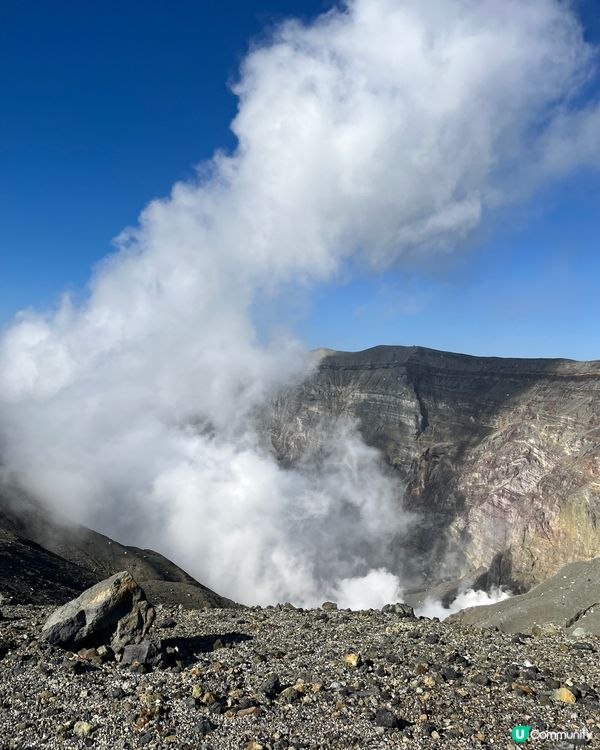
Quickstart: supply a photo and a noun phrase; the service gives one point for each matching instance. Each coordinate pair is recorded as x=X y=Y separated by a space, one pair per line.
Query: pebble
x=564 y=695
x=353 y=659
x=82 y=728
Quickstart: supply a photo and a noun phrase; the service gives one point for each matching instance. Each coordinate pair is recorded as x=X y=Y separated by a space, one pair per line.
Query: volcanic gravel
x=283 y=678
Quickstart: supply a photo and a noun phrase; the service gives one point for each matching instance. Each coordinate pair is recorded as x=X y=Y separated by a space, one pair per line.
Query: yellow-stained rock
x=353 y=659
x=564 y=695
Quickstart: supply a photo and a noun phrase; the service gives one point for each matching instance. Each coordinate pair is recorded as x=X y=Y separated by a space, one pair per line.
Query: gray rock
x=167 y=623
x=148 y=654
x=114 y=611
x=386 y=719
x=137 y=652
x=400 y=609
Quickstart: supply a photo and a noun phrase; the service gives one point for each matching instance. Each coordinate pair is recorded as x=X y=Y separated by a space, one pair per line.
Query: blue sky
x=105 y=105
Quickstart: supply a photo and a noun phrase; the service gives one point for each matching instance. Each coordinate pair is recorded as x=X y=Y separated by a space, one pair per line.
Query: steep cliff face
x=500 y=458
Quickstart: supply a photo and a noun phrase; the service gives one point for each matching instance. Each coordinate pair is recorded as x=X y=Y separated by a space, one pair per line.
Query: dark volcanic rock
x=114 y=610
x=499 y=456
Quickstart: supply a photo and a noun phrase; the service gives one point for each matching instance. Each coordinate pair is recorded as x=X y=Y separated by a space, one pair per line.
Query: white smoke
x=369 y=591
x=382 y=131
x=469 y=598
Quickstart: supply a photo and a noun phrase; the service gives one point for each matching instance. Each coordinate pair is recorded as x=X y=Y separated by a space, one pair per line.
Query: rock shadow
x=191 y=647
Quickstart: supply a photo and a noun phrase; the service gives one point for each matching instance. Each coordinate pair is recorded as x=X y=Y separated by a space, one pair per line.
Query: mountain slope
x=46 y=561
x=569 y=600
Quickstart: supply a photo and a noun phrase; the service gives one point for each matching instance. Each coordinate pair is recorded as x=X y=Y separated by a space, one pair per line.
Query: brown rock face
x=500 y=457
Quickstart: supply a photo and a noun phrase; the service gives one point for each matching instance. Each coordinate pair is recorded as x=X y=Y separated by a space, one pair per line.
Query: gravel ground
x=282 y=678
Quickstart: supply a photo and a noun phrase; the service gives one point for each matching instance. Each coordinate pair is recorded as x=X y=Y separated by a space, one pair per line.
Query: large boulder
x=114 y=611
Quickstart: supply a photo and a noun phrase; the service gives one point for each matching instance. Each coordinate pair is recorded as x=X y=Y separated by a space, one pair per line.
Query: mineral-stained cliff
x=499 y=457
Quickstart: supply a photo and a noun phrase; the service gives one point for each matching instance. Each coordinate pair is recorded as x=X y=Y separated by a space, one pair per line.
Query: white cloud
x=379 y=131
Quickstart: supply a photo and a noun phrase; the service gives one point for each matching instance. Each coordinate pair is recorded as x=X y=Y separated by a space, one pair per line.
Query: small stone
x=329 y=606
x=137 y=654
x=564 y=695
x=432 y=638
x=271 y=687
x=386 y=719
x=353 y=659
x=105 y=653
x=82 y=728
x=448 y=673
x=206 y=726
x=582 y=646
x=289 y=695
x=400 y=609
x=547 y=629
x=579 y=633
x=168 y=622
x=250 y=711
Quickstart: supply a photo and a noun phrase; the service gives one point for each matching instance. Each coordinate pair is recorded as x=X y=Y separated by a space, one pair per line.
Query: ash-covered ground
x=282 y=678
